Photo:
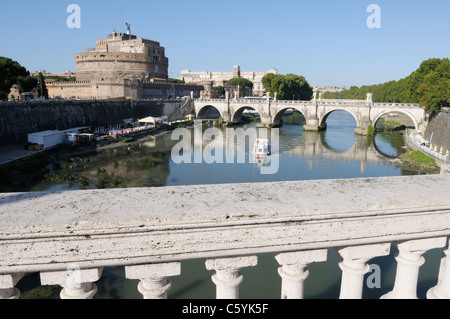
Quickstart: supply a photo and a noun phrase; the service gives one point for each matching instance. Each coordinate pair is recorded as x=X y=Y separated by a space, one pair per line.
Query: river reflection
x=336 y=153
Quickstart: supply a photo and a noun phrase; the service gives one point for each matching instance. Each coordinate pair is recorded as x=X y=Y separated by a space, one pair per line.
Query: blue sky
x=327 y=41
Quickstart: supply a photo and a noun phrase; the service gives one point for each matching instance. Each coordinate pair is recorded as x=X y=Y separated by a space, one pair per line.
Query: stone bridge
x=316 y=111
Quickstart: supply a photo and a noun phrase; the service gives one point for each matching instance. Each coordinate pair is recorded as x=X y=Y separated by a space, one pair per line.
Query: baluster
x=354 y=266
x=154 y=278
x=228 y=276
x=7 y=286
x=293 y=271
x=409 y=261
x=442 y=289
x=77 y=283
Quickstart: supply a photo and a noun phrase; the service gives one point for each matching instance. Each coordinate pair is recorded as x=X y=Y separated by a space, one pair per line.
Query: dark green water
x=336 y=153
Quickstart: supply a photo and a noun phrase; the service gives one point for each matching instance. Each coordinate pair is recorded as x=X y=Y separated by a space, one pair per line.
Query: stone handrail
x=318 y=101
x=69 y=237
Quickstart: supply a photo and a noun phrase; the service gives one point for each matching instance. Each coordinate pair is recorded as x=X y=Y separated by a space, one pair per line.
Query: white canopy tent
x=154 y=120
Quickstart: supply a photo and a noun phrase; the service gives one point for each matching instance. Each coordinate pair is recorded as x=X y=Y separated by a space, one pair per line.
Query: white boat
x=261 y=148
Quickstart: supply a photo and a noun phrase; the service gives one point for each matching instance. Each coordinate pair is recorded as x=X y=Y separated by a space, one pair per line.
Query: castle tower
x=236 y=71
x=122 y=57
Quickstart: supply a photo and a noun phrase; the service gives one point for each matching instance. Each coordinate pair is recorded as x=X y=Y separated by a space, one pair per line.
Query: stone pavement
x=12 y=152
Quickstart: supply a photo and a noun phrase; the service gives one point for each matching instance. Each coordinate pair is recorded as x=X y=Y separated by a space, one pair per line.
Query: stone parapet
x=89 y=228
x=150 y=231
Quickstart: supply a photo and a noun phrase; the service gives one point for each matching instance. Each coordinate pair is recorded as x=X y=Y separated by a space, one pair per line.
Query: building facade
x=210 y=79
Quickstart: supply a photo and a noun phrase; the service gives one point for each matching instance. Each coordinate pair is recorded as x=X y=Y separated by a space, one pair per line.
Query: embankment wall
x=438 y=130
x=18 y=119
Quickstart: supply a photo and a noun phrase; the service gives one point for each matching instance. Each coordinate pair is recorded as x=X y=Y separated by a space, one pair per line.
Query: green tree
x=217 y=92
x=43 y=91
x=240 y=82
x=177 y=81
x=428 y=86
x=10 y=71
x=26 y=83
x=435 y=88
x=287 y=87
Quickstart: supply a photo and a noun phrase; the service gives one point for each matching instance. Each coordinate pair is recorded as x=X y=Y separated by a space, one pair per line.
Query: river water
x=336 y=153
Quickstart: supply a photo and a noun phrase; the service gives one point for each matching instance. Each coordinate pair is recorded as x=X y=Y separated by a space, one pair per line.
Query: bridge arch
x=203 y=111
x=278 y=116
x=405 y=112
x=324 y=118
x=236 y=117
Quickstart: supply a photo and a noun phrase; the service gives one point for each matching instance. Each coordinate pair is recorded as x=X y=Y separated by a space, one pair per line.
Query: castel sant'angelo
x=121 y=66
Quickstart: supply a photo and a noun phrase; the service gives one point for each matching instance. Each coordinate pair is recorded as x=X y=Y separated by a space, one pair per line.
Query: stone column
x=7 y=286
x=154 y=278
x=228 y=276
x=442 y=289
x=293 y=271
x=354 y=266
x=409 y=261
x=77 y=283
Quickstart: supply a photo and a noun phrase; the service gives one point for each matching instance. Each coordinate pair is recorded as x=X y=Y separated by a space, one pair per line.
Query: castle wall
x=67 y=90
x=96 y=66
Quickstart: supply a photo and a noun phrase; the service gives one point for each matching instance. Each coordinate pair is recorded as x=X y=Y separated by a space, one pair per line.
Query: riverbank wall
x=438 y=131
x=435 y=141
x=18 y=119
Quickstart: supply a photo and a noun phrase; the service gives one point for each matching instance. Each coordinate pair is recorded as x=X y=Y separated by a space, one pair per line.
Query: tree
x=240 y=82
x=435 y=88
x=428 y=86
x=10 y=71
x=287 y=87
x=177 y=81
x=217 y=92
x=43 y=91
x=26 y=83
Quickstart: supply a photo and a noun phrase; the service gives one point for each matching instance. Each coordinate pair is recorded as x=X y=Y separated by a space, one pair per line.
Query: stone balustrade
x=70 y=237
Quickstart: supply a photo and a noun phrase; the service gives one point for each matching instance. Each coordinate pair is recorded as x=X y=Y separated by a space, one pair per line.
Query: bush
x=146 y=163
x=128 y=140
x=219 y=122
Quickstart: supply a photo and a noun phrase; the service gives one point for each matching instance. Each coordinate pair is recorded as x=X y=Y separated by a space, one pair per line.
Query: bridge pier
x=314 y=126
x=364 y=131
